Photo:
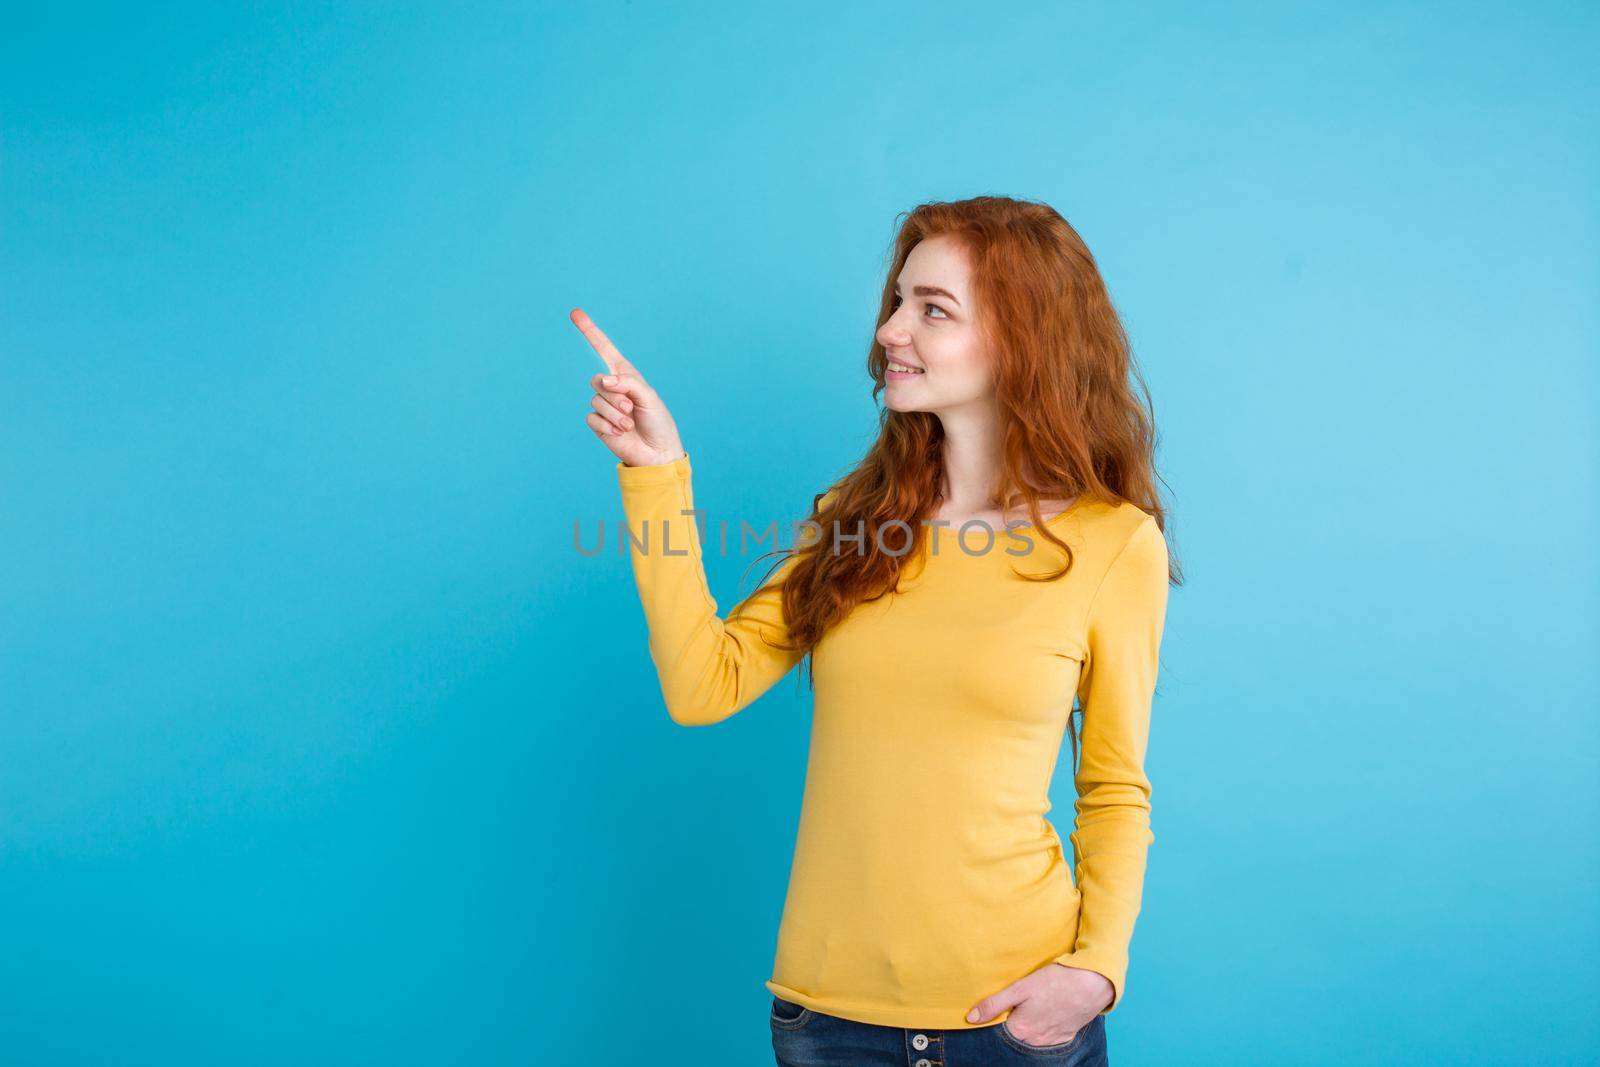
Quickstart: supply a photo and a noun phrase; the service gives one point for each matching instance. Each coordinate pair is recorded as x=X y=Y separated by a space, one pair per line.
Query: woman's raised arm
x=709 y=667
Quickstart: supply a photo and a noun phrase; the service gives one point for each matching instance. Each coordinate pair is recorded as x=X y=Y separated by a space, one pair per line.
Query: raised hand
x=629 y=417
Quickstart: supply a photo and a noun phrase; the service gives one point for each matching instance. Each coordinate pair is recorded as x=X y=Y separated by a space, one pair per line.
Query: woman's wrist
x=672 y=458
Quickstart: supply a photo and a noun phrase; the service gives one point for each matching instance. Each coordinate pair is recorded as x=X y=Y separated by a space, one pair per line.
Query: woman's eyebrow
x=930 y=290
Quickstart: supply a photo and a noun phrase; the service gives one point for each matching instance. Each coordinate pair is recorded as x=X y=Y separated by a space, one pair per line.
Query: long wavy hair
x=1064 y=378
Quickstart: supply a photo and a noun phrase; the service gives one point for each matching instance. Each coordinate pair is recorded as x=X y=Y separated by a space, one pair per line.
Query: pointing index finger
x=614 y=360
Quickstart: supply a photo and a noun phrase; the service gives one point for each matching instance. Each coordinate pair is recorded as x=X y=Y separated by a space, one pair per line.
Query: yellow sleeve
x=709 y=667
x=1116 y=687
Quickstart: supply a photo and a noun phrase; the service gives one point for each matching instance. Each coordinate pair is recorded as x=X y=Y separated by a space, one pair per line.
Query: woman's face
x=934 y=329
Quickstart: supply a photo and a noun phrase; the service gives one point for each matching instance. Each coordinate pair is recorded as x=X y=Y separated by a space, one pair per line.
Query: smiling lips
x=896 y=367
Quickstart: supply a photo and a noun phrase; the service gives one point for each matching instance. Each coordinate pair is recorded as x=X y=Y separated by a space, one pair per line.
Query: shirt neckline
x=955 y=530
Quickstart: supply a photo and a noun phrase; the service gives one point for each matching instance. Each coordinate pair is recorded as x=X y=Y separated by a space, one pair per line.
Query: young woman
x=998 y=552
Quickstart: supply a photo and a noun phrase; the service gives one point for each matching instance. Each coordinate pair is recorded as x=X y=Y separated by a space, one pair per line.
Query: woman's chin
x=899 y=399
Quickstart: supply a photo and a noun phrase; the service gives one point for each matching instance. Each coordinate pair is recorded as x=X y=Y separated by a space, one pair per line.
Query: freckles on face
x=958 y=370
x=933 y=326
x=955 y=370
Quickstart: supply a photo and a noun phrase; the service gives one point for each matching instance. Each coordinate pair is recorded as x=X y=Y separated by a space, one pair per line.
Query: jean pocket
x=787 y=1015
x=1057 y=1049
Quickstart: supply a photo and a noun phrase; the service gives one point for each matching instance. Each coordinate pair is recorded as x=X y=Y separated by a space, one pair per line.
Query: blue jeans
x=804 y=1037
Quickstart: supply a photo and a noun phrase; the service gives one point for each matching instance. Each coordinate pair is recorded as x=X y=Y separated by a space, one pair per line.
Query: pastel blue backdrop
x=320 y=741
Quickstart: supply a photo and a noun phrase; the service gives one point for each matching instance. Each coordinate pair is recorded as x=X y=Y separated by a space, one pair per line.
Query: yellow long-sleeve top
x=926 y=875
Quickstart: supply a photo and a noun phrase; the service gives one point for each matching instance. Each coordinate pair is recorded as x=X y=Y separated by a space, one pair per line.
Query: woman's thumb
x=993 y=1005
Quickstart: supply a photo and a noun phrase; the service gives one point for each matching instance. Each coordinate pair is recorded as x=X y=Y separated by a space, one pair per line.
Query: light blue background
x=320 y=742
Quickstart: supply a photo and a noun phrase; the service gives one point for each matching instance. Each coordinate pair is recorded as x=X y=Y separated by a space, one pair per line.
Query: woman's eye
x=931 y=307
